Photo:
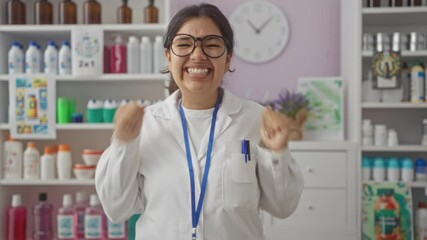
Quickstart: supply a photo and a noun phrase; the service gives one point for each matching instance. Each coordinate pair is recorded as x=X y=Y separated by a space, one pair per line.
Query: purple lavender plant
x=289 y=103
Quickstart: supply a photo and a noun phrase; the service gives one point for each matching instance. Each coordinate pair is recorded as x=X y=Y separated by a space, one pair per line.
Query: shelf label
x=87 y=44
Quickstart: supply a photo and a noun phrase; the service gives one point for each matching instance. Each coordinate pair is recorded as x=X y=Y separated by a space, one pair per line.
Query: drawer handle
x=310 y=207
x=310 y=170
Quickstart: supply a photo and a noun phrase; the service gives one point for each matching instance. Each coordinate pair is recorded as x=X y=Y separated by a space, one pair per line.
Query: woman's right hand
x=128 y=121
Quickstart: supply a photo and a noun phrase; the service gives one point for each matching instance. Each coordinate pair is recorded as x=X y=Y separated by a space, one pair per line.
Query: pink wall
x=312 y=49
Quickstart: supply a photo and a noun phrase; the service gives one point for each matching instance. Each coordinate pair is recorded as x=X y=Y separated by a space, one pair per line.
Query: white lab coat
x=149 y=175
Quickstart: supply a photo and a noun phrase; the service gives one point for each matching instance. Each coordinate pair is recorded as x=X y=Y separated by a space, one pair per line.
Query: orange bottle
x=91 y=12
x=67 y=12
x=151 y=13
x=15 y=12
x=43 y=12
x=124 y=13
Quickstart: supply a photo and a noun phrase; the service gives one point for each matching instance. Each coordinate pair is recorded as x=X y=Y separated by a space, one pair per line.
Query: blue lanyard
x=195 y=213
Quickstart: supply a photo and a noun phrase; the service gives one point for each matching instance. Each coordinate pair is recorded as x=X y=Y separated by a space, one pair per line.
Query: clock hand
x=253 y=26
x=264 y=24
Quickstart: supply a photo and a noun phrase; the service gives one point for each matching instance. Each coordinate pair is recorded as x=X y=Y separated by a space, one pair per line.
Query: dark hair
x=198 y=10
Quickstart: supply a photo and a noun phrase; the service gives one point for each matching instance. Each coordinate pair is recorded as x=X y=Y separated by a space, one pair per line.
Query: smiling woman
x=202 y=162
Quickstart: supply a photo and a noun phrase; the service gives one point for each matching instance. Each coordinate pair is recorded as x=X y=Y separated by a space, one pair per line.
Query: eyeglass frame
x=198 y=39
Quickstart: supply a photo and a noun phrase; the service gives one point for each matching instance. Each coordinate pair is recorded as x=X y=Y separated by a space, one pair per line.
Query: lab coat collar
x=169 y=110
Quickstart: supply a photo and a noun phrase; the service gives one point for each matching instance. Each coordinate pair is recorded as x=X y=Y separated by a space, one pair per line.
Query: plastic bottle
x=47 y=164
x=124 y=13
x=43 y=12
x=406 y=82
x=159 y=58
x=12 y=166
x=95 y=220
x=393 y=170
x=387 y=215
x=94 y=111
x=367 y=133
x=79 y=215
x=420 y=170
x=16 y=12
x=146 y=58
x=392 y=139
x=15 y=59
x=64 y=162
x=92 y=12
x=33 y=59
x=51 y=58
x=151 y=13
x=117 y=231
x=31 y=162
x=109 y=110
x=378 y=170
x=380 y=135
x=421 y=221
x=67 y=12
x=133 y=55
x=417 y=83
x=366 y=169
x=64 y=59
x=407 y=170
x=16 y=220
x=43 y=219
x=118 y=56
x=65 y=219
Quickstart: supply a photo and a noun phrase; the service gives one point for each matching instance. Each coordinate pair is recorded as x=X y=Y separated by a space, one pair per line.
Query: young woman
x=202 y=163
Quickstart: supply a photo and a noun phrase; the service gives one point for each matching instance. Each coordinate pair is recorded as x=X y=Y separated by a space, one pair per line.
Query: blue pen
x=246 y=150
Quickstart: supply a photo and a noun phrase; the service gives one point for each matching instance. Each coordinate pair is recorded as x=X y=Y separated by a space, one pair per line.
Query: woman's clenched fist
x=128 y=121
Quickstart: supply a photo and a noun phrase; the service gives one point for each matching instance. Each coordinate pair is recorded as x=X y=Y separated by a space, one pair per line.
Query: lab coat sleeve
x=280 y=181
x=117 y=181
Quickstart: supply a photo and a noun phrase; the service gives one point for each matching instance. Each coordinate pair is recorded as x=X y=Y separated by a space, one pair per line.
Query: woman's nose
x=198 y=53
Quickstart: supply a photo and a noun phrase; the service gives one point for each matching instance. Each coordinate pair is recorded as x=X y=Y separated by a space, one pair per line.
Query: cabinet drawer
x=320 y=208
x=322 y=169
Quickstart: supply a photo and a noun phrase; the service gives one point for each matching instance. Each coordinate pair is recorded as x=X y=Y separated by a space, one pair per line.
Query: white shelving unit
x=81 y=88
x=406 y=118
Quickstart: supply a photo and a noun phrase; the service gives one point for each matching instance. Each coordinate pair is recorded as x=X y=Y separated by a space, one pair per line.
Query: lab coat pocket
x=240 y=187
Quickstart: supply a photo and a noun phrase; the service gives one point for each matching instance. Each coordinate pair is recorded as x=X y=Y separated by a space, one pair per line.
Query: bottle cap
x=16 y=200
x=51 y=43
x=67 y=200
x=407 y=163
x=31 y=144
x=64 y=147
x=42 y=197
x=77 y=117
x=133 y=39
x=393 y=163
x=379 y=162
x=366 y=162
x=15 y=43
x=145 y=39
x=420 y=162
x=65 y=43
x=159 y=38
x=48 y=149
x=110 y=104
x=34 y=43
x=118 y=39
x=94 y=200
x=55 y=149
x=80 y=197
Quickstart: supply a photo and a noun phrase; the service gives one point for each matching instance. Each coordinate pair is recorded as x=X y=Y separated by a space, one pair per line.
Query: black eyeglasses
x=184 y=44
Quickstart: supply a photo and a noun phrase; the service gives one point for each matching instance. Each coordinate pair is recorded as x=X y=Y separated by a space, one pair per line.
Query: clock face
x=261 y=31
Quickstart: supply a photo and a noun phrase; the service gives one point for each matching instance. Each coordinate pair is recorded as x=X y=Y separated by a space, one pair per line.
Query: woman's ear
x=227 y=62
x=168 y=57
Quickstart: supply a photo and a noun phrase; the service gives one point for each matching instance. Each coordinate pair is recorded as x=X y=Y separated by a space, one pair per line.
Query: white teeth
x=202 y=71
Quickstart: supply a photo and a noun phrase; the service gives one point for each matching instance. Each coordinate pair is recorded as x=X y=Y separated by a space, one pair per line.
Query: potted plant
x=295 y=106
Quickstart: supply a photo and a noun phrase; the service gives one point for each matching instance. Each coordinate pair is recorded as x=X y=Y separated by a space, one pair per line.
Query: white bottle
x=64 y=59
x=159 y=57
x=417 y=83
x=64 y=162
x=421 y=222
x=47 y=164
x=367 y=132
x=378 y=170
x=12 y=165
x=15 y=59
x=146 y=55
x=392 y=139
x=133 y=55
x=31 y=162
x=51 y=58
x=33 y=59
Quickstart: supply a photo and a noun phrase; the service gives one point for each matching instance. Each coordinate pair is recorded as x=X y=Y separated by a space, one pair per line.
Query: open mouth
x=198 y=71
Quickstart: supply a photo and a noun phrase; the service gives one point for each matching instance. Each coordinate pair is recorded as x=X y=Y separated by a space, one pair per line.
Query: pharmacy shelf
x=375 y=105
x=393 y=16
x=107 y=77
x=400 y=148
x=413 y=184
x=54 y=182
x=60 y=29
x=75 y=126
x=419 y=53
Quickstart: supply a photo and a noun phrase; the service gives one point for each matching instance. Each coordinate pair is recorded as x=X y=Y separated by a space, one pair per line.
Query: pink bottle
x=16 y=219
x=65 y=219
x=79 y=216
x=95 y=220
x=118 y=56
x=43 y=219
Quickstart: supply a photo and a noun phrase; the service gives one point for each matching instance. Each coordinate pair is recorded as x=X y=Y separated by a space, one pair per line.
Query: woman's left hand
x=274 y=129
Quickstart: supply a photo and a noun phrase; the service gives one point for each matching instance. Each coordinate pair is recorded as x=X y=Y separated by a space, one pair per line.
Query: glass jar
x=91 y=12
x=15 y=12
x=67 y=12
x=43 y=12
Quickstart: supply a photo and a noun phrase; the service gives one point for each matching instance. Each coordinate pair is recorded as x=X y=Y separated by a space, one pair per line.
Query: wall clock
x=261 y=31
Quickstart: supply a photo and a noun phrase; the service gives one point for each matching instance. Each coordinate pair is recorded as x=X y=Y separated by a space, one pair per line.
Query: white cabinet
x=405 y=118
x=81 y=89
x=327 y=208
